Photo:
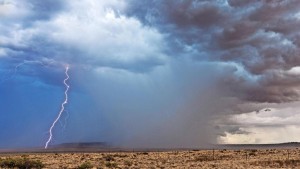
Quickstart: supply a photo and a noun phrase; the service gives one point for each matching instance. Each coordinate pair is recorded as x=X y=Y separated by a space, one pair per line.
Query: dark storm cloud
x=193 y=14
x=239 y=3
x=261 y=37
x=187 y=13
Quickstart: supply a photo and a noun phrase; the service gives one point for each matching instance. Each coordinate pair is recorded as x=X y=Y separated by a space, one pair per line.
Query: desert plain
x=221 y=158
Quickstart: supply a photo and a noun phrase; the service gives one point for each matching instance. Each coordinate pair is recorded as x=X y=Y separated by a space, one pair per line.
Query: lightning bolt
x=62 y=107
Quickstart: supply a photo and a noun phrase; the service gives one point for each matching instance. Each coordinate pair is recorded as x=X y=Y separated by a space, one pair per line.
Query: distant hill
x=104 y=147
x=67 y=147
x=260 y=146
x=81 y=145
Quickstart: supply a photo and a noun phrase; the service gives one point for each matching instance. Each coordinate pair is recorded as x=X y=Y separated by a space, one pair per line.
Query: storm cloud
x=259 y=36
x=157 y=73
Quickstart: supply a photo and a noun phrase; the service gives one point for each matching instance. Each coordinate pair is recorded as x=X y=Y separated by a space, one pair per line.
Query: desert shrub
x=21 y=163
x=111 y=164
x=221 y=151
x=8 y=163
x=63 y=167
x=164 y=161
x=252 y=152
x=203 y=158
x=277 y=163
x=128 y=163
x=120 y=155
x=223 y=157
x=85 y=165
x=109 y=158
x=24 y=156
x=291 y=162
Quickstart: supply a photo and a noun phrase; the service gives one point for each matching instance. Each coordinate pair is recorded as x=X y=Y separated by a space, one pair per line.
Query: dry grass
x=260 y=159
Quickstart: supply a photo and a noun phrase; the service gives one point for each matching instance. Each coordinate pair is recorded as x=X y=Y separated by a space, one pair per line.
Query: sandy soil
x=229 y=159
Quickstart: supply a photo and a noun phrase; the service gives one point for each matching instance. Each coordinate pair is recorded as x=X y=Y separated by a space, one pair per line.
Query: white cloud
x=105 y=35
x=269 y=116
x=13 y=9
x=264 y=135
x=269 y=125
x=17 y=36
x=294 y=70
x=88 y=32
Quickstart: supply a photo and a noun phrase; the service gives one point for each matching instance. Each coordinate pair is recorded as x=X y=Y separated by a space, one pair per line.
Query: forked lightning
x=62 y=107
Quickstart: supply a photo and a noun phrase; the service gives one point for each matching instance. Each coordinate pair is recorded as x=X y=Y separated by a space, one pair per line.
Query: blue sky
x=149 y=73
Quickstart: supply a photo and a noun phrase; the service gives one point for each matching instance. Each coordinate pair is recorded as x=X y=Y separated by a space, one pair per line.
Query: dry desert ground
x=229 y=159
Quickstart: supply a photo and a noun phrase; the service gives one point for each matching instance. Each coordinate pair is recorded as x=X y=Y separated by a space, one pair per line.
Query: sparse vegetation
x=85 y=165
x=21 y=163
x=277 y=163
x=250 y=158
x=203 y=159
x=252 y=152
x=111 y=164
x=144 y=153
x=109 y=158
x=128 y=163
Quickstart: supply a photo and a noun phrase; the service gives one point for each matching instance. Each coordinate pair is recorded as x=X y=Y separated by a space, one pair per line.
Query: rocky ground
x=229 y=159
